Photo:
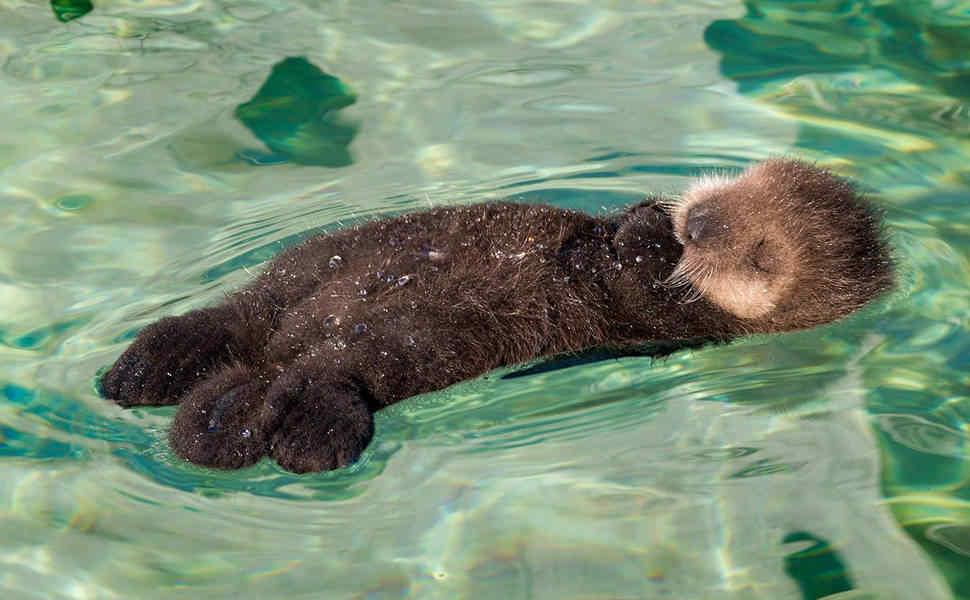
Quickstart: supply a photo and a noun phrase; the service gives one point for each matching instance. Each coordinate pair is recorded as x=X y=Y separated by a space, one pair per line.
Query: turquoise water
x=155 y=152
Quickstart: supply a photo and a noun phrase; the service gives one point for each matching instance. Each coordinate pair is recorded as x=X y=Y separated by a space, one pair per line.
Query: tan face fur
x=732 y=256
x=784 y=243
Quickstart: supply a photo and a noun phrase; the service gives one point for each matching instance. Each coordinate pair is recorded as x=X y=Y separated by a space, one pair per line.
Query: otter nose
x=697 y=223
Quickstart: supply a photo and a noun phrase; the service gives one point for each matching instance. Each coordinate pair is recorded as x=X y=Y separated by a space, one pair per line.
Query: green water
x=154 y=152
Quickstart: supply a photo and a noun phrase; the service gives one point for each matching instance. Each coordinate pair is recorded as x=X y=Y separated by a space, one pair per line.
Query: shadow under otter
x=295 y=364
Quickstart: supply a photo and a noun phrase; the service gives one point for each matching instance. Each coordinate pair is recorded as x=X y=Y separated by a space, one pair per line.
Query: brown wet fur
x=294 y=365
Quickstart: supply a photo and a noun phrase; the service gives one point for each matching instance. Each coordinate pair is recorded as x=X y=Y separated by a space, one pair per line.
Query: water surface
x=154 y=153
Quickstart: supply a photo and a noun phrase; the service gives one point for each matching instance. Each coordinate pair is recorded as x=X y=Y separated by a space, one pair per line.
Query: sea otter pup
x=295 y=364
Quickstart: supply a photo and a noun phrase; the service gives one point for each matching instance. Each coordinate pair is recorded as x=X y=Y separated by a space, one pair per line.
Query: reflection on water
x=778 y=40
x=294 y=114
x=132 y=187
x=817 y=567
x=886 y=83
x=68 y=10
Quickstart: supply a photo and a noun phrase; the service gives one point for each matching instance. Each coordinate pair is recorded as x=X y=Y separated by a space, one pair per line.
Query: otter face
x=785 y=245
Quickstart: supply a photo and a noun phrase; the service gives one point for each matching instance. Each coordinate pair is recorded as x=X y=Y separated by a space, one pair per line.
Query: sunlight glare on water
x=155 y=152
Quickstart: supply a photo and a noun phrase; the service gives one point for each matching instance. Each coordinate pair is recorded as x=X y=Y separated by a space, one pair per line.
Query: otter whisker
x=669 y=205
x=676 y=281
x=692 y=295
x=696 y=289
x=684 y=273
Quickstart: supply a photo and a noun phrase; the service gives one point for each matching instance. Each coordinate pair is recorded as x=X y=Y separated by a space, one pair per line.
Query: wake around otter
x=294 y=364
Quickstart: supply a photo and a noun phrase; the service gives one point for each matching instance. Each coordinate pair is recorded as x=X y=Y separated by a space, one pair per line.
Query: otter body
x=294 y=364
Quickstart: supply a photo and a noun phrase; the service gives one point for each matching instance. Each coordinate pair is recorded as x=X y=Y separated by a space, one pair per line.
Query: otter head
x=785 y=245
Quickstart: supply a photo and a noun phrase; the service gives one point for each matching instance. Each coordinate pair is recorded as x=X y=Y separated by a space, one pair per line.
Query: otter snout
x=702 y=225
x=697 y=222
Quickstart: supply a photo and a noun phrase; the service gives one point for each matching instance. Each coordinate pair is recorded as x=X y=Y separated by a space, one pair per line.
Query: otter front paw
x=168 y=357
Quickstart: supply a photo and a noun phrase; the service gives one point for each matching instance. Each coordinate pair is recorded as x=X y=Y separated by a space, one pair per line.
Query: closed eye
x=760 y=259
